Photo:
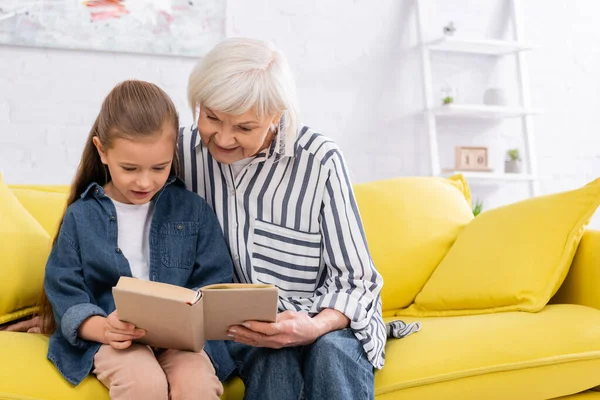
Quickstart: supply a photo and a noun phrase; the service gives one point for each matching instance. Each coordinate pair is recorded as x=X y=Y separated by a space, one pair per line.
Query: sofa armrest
x=582 y=284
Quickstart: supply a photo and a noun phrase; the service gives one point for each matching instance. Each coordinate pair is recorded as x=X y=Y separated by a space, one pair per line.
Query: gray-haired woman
x=283 y=197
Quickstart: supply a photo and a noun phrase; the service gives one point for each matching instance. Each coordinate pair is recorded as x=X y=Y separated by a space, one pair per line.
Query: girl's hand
x=119 y=334
x=291 y=329
x=110 y=330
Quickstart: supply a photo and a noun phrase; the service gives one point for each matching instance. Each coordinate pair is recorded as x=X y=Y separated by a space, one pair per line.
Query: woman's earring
x=282 y=119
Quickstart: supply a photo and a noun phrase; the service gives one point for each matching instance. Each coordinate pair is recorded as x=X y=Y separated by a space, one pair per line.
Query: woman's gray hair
x=241 y=74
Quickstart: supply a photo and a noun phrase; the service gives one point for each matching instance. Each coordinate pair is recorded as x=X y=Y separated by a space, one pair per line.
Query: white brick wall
x=358 y=74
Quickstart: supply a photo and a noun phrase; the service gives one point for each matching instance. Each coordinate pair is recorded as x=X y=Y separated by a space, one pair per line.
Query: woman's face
x=231 y=138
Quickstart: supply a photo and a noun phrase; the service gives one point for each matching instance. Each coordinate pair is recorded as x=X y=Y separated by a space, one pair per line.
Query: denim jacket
x=187 y=248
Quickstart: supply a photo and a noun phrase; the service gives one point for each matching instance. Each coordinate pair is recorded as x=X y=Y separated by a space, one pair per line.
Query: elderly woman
x=283 y=197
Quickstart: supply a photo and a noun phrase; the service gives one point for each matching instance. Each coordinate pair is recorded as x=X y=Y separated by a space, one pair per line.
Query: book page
x=157 y=289
x=218 y=286
x=224 y=308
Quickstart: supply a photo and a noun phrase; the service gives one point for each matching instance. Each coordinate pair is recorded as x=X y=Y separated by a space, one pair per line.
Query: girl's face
x=139 y=167
x=231 y=138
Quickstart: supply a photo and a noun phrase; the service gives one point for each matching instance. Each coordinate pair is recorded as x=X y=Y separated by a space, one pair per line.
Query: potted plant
x=512 y=164
x=448 y=100
x=477 y=208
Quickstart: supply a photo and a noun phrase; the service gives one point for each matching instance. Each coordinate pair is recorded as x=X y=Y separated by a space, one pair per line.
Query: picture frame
x=469 y=158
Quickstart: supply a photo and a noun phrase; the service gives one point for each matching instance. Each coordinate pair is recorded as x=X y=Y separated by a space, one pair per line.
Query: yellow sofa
x=552 y=353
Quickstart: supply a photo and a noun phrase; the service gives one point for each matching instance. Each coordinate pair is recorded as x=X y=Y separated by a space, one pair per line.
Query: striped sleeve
x=353 y=284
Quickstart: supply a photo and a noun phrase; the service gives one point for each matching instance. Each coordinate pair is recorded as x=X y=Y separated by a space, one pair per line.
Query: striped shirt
x=292 y=221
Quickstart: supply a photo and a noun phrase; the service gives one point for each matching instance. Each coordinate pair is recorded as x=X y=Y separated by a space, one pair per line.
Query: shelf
x=480 y=111
x=492 y=176
x=476 y=46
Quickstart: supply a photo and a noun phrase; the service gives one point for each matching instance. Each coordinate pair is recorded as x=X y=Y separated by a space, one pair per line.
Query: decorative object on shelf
x=495 y=97
x=449 y=95
x=449 y=29
x=512 y=165
x=471 y=159
x=477 y=208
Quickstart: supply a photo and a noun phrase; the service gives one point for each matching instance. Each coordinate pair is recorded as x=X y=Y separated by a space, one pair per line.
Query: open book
x=178 y=318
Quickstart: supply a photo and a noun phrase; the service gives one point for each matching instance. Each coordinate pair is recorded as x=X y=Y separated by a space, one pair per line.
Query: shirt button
x=232 y=192
x=112 y=218
x=118 y=250
x=236 y=257
x=97 y=191
x=179 y=227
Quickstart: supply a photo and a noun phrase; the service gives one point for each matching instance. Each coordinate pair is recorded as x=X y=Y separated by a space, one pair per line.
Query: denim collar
x=94 y=189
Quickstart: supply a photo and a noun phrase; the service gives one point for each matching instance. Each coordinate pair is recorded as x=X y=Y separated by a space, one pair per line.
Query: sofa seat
x=512 y=355
x=25 y=373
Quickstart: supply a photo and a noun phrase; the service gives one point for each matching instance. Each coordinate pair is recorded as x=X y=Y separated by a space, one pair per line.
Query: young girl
x=129 y=215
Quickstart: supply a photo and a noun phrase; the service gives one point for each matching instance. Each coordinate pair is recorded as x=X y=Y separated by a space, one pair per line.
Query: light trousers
x=139 y=372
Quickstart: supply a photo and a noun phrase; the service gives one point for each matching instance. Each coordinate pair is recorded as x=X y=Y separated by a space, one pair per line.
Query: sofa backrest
x=410 y=224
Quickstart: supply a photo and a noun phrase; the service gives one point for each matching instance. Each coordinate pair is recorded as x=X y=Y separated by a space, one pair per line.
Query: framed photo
x=471 y=159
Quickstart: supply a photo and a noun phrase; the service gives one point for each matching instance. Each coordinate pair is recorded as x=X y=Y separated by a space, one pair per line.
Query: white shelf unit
x=489 y=47
x=492 y=176
x=435 y=111
x=481 y=111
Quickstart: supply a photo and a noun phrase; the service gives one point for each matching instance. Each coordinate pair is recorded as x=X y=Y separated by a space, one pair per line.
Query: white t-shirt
x=238 y=166
x=133 y=221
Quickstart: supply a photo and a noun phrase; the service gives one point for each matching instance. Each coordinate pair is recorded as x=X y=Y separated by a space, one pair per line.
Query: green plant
x=513 y=155
x=448 y=100
x=478 y=208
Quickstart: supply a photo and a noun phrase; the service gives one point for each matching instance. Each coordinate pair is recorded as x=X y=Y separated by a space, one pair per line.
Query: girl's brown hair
x=132 y=109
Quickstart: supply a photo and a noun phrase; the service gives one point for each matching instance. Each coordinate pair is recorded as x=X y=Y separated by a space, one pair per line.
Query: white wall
x=358 y=73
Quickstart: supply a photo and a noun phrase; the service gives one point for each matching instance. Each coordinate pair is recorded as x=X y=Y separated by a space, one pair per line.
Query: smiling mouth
x=224 y=150
x=140 y=194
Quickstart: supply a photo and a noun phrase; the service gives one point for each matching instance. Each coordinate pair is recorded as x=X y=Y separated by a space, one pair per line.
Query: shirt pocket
x=288 y=258
x=178 y=244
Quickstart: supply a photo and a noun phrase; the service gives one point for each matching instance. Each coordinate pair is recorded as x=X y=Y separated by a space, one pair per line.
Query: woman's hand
x=110 y=330
x=290 y=329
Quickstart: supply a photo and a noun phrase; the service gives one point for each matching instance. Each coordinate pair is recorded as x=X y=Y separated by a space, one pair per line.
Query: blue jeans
x=334 y=367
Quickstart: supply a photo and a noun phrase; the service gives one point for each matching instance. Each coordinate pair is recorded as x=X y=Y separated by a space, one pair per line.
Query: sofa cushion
x=410 y=223
x=512 y=355
x=495 y=356
x=510 y=258
x=24 y=248
x=26 y=373
x=45 y=203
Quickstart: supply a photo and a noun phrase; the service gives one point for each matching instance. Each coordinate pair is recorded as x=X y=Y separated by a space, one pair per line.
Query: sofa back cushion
x=511 y=258
x=45 y=203
x=410 y=224
x=24 y=248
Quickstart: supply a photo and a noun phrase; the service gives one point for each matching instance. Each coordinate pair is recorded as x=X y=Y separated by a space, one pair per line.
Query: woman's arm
x=350 y=295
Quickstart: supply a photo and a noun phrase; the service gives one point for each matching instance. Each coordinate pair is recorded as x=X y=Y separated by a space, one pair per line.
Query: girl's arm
x=79 y=319
x=65 y=286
